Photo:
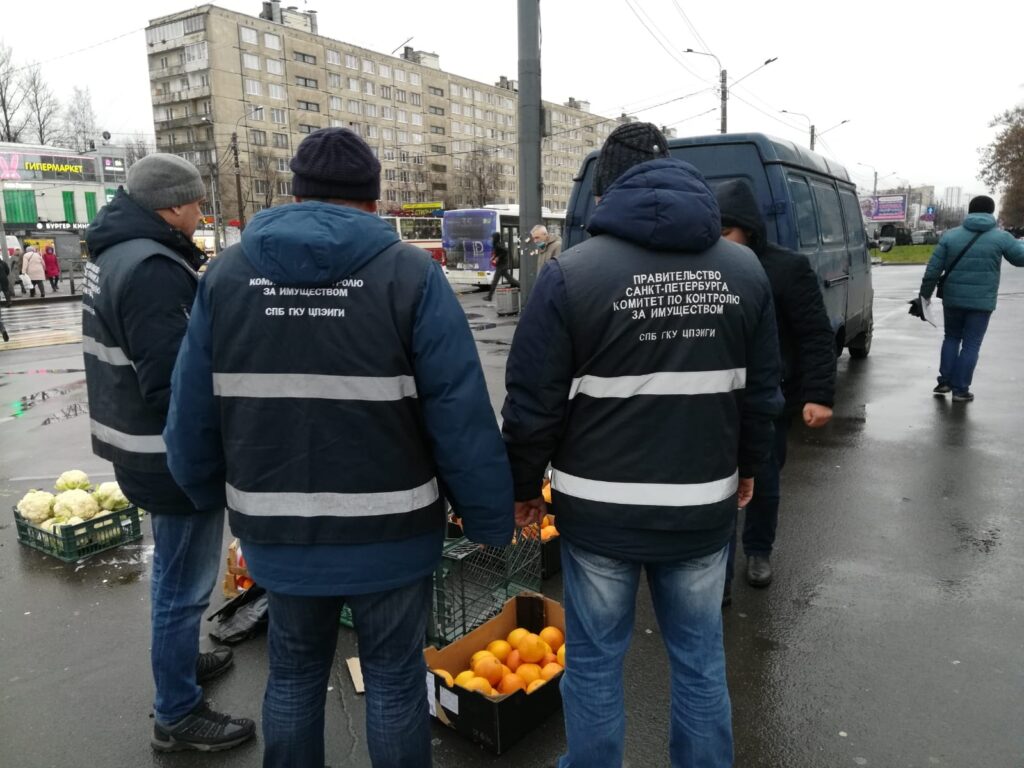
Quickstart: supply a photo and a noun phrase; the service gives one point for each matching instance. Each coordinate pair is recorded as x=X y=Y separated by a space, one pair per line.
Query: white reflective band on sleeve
x=290 y=504
x=315 y=386
x=689 y=383
x=126 y=442
x=112 y=355
x=654 y=494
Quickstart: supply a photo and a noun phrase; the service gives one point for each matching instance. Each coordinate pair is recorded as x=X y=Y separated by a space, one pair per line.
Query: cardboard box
x=499 y=722
x=236 y=576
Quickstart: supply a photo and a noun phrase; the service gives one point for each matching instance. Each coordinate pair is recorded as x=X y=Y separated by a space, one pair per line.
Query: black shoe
x=204 y=730
x=942 y=389
x=213 y=664
x=759 y=571
x=3 y=332
x=727 y=594
x=966 y=397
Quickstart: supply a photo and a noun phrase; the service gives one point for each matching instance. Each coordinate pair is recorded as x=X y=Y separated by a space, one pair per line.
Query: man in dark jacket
x=969 y=291
x=502 y=268
x=808 y=366
x=139 y=286
x=330 y=390
x=645 y=369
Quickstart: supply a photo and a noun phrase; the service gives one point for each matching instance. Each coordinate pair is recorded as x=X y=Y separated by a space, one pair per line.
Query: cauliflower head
x=36 y=506
x=73 y=478
x=75 y=503
x=110 y=497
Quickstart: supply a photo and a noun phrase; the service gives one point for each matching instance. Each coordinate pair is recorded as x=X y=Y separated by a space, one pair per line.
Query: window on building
x=272 y=41
x=399 y=75
x=278 y=116
x=275 y=67
x=417 y=138
x=388 y=113
x=438 y=149
x=284 y=188
x=305 y=82
x=305 y=128
x=370 y=110
x=333 y=57
x=260 y=186
x=401 y=116
x=354 y=107
x=282 y=165
x=252 y=87
x=368 y=88
x=435 y=91
x=277 y=91
x=372 y=131
x=355 y=128
x=351 y=61
x=437 y=130
x=353 y=84
x=259 y=138
x=250 y=61
x=305 y=58
x=391 y=195
x=335 y=103
x=385 y=91
x=415 y=99
x=390 y=174
x=196 y=52
x=388 y=134
x=368 y=66
x=256 y=113
x=417 y=118
x=456 y=108
x=384 y=70
x=403 y=136
x=337 y=122
x=400 y=95
x=389 y=153
x=308 y=106
x=249 y=35
x=261 y=162
x=280 y=140
x=414 y=78
x=437 y=111
x=333 y=80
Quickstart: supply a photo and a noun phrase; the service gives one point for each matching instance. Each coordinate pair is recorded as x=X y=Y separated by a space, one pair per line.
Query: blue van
x=810 y=205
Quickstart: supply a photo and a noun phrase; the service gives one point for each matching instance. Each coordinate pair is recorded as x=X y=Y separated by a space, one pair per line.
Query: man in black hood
x=140 y=283
x=808 y=366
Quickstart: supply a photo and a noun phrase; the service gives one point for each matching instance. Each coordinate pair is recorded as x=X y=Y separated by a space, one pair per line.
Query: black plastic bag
x=241 y=617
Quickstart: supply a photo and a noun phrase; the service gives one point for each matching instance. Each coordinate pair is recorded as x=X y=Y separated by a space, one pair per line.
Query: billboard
x=17 y=166
x=884 y=207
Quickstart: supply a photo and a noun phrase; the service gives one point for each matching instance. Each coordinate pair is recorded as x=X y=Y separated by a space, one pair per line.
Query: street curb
x=19 y=302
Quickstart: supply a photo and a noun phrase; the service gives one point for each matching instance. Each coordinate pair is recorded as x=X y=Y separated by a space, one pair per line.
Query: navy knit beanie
x=335 y=163
x=981 y=204
x=626 y=146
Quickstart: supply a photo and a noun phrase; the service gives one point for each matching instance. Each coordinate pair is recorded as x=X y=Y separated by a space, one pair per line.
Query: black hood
x=123 y=219
x=739 y=208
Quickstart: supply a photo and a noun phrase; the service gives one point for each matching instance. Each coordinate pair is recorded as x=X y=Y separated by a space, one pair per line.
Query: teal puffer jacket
x=974 y=281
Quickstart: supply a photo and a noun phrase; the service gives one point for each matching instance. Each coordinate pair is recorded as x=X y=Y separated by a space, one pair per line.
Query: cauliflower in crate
x=72 y=479
x=110 y=497
x=75 y=503
x=36 y=506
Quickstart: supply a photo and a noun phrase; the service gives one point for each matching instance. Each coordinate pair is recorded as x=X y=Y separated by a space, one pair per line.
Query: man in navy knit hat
x=329 y=393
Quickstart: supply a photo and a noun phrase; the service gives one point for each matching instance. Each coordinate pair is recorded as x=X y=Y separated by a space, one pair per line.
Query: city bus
x=421 y=231
x=466 y=238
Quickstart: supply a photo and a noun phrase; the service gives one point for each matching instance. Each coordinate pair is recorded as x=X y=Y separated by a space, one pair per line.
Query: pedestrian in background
x=51 y=267
x=17 y=259
x=329 y=390
x=143 y=260
x=549 y=246
x=965 y=268
x=5 y=282
x=500 y=262
x=807 y=348
x=655 y=424
x=32 y=265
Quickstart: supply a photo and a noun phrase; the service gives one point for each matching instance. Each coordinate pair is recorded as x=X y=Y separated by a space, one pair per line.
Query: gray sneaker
x=942 y=389
x=963 y=397
x=204 y=730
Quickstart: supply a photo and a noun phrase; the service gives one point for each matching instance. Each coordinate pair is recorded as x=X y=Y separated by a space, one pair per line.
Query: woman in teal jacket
x=969 y=291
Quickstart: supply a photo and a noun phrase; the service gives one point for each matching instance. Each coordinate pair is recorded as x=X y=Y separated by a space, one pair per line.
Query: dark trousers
x=500 y=272
x=38 y=284
x=54 y=281
x=762 y=515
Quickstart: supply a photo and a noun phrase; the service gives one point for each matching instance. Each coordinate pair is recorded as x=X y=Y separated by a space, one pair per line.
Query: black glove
x=915 y=308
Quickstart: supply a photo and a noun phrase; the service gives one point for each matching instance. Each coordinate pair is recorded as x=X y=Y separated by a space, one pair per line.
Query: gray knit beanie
x=164 y=181
x=628 y=145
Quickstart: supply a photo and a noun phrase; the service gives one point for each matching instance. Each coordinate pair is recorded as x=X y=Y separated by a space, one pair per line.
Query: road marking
x=42 y=325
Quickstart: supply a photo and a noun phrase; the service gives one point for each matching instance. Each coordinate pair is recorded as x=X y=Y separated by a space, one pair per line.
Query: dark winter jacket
x=974 y=281
x=139 y=286
x=805 y=334
x=330 y=391
x=645 y=369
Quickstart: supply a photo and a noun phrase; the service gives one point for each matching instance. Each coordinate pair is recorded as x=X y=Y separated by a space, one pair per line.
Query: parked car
x=924 y=237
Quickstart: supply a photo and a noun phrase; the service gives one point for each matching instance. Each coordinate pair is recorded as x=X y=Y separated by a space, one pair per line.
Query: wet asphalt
x=892 y=636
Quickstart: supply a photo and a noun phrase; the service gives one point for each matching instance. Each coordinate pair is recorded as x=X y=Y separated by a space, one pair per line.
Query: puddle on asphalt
x=19 y=407
x=984 y=541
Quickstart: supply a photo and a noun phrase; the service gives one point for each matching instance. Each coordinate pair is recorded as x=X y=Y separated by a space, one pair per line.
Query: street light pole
x=238 y=181
x=723 y=84
x=805 y=117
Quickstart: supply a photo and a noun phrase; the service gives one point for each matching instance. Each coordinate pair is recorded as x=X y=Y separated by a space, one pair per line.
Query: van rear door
x=859 y=293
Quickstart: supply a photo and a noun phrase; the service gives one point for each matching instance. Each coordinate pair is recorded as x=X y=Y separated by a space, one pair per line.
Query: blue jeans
x=964 y=332
x=391 y=628
x=600 y=602
x=762 y=514
x=186 y=563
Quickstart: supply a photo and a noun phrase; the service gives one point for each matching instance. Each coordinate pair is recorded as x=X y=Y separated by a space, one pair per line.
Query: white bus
x=421 y=231
x=466 y=238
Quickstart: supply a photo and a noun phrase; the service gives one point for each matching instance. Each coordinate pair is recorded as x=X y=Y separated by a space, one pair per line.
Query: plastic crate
x=74 y=542
x=473 y=583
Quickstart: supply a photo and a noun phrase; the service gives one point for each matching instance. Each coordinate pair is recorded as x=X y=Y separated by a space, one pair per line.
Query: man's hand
x=530 y=512
x=746 y=491
x=816 y=416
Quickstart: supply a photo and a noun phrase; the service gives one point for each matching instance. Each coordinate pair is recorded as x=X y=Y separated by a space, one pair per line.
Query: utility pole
x=725 y=97
x=213 y=204
x=812 y=137
x=874 y=189
x=238 y=181
x=529 y=134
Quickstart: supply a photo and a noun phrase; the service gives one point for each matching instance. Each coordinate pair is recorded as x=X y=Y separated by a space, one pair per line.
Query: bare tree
x=136 y=148
x=13 y=114
x=479 y=178
x=43 y=107
x=80 y=120
x=265 y=177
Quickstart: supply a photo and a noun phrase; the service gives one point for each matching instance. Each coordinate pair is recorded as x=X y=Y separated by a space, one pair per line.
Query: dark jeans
x=38 y=284
x=762 y=516
x=54 y=281
x=964 y=332
x=498 y=274
x=391 y=629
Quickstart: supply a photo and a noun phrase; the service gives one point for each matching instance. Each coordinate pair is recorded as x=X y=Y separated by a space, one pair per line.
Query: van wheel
x=860 y=347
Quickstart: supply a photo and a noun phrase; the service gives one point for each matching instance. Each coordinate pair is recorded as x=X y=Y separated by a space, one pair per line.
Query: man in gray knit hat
x=140 y=283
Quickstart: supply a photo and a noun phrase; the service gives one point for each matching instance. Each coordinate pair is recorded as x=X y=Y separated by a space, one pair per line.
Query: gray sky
x=918 y=83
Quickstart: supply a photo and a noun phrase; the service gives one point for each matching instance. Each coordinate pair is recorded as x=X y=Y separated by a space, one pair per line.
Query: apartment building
x=235 y=94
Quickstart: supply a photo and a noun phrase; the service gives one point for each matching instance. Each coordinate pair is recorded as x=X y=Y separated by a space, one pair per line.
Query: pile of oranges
x=523 y=661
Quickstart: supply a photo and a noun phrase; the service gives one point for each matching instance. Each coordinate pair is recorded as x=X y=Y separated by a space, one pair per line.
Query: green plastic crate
x=74 y=542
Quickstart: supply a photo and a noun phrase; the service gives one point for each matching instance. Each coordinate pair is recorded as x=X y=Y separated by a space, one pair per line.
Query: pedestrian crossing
x=41 y=325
